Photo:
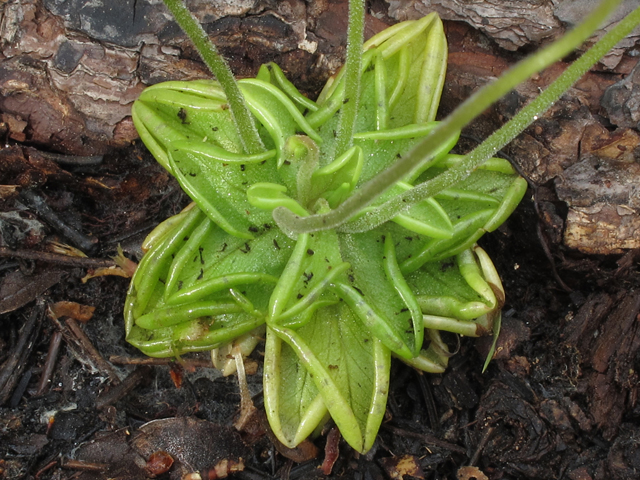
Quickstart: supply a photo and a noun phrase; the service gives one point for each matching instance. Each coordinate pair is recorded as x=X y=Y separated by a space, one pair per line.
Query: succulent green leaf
x=313 y=266
x=376 y=292
x=477 y=205
x=156 y=263
x=292 y=401
x=268 y=196
x=458 y=290
x=434 y=358
x=275 y=110
x=200 y=287
x=219 y=188
x=349 y=368
x=176 y=111
x=273 y=74
x=338 y=179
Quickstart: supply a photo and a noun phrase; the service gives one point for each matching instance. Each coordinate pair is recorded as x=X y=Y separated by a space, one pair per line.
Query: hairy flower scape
x=334 y=304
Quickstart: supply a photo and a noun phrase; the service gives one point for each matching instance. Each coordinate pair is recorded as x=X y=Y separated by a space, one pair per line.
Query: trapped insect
x=341 y=230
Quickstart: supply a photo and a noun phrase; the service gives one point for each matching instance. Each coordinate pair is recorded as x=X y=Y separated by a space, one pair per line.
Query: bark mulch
x=560 y=398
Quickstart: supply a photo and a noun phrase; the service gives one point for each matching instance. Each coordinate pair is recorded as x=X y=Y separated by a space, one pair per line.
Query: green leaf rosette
x=334 y=306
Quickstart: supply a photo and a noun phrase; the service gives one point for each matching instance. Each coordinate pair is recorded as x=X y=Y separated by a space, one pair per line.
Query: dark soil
x=558 y=401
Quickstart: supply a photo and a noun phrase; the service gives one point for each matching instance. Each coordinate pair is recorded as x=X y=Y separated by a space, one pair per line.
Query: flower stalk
x=241 y=115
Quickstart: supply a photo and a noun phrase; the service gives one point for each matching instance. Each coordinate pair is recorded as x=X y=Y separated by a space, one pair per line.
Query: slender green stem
x=349 y=110
x=245 y=125
x=421 y=154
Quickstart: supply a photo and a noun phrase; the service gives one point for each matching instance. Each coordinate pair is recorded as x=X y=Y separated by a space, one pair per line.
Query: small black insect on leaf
x=446 y=266
x=182 y=115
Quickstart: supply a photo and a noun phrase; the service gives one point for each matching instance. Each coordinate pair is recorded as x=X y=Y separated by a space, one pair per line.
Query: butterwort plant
x=340 y=231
